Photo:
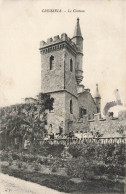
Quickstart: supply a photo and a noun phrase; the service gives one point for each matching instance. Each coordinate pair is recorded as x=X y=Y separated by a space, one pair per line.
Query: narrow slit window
x=51 y=62
x=71 y=107
x=71 y=65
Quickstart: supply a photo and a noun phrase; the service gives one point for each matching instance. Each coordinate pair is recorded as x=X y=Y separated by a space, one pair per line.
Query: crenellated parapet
x=109 y=127
x=97 y=117
x=56 y=43
x=73 y=45
x=68 y=53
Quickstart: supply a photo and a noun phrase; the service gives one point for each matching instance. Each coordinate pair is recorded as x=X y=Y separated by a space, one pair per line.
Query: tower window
x=89 y=116
x=51 y=62
x=82 y=112
x=71 y=107
x=71 y=65
x=85 y=111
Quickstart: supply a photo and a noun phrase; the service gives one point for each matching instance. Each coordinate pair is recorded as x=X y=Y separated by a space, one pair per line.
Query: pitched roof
x=84 y=93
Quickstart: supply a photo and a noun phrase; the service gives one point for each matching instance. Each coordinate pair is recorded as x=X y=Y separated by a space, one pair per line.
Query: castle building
x=61 y=76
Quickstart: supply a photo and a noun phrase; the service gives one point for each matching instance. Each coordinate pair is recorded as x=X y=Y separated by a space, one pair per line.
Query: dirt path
x=12 y=185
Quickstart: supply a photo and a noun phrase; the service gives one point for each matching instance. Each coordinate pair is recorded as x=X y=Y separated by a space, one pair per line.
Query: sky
x=23 y=25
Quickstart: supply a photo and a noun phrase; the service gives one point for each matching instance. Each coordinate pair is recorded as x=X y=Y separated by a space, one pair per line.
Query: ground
x=57 y=171
x=12 y=185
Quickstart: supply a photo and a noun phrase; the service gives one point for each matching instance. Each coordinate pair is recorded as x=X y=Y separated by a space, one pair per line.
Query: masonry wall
x=86 y=101
x=55 y=81
x=82 y=125
x=58 y=114
x=104 y=126
x=52 y=80
x=68 y=116
x=61 y=111
x=70 y=80
x=109 y=125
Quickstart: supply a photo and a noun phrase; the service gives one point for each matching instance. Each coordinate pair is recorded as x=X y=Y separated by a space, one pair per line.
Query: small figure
x=50 y=129
x=61 y=128
x=71 y=134
x=51 y=135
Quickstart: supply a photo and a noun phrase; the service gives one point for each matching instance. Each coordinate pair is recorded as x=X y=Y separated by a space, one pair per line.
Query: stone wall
x=68 y=116
x=107 y=125
x=61 y=111
x=70 y=80
x=81 y=125
x=86 y=101
x=58 y=114
x=61 y=83
x=52 y=80
x=60 y=77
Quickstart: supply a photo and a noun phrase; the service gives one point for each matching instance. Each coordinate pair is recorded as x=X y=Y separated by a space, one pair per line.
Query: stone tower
x=78 y=40
x=61 y=74
x=97 y=99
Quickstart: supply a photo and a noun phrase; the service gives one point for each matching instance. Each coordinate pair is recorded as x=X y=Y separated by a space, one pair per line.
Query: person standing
x=51 y=132
x=50 y=129
x=61 y=128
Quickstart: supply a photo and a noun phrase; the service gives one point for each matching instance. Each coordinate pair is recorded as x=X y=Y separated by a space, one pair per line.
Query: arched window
x=51 y=62
x=71 y=107
x=71 y=65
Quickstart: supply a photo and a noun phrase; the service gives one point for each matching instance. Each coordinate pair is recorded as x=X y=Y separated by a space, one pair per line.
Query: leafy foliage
x=122 y=130
x=54 y=150
x=25 y=121
x=90 y=160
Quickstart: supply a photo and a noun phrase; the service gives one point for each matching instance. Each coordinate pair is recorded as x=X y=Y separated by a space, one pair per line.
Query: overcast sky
x=23 y=25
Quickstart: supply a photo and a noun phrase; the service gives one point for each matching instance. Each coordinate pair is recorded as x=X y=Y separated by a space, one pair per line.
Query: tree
x=25 y=120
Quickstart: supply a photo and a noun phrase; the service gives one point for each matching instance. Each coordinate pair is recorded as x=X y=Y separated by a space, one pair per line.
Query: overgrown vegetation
x=64 y=184
x=24 y=121
x=92 y=162
x=88 y=161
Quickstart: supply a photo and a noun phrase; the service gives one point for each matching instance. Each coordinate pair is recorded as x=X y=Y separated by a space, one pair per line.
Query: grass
x=64 y=184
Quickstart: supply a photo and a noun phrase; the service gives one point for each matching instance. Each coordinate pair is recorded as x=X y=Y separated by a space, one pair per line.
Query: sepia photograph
x=62 y=97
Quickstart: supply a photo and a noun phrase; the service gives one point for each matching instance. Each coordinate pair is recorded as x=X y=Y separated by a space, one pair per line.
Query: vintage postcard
x=62 y=96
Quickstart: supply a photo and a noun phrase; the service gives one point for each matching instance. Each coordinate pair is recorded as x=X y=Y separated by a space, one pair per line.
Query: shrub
x=80 y=168
x=19 y=163
x=54 y=169
x=99 y=169
x=89 y=159
x=97 y=159
x=4 y=156
x=75 y=150
x=36 y=166
x=15 y=156
x=28 y=158
x=54 y=150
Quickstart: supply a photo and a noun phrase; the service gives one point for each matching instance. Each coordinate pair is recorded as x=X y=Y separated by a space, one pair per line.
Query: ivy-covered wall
x=24 y=121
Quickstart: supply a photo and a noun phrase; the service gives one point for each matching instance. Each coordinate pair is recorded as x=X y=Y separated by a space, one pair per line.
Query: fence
x=69 y=141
